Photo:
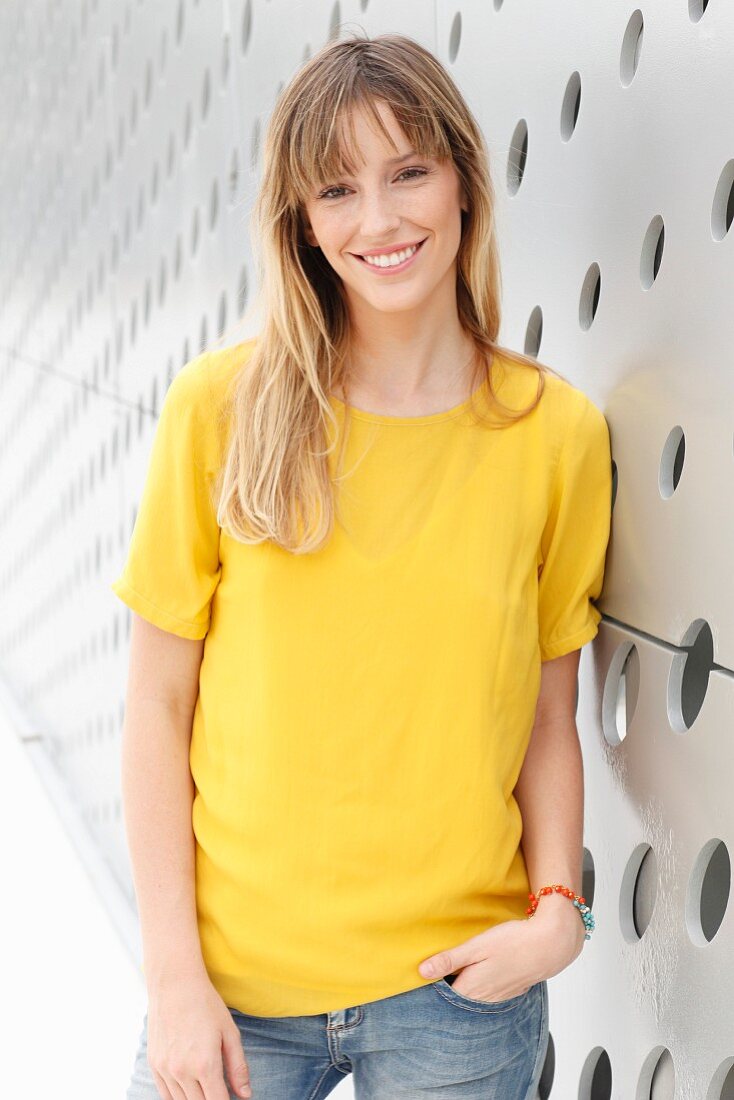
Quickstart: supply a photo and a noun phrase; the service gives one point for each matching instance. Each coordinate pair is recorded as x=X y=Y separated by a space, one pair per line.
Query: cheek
x=331 y=238
x=441 y=210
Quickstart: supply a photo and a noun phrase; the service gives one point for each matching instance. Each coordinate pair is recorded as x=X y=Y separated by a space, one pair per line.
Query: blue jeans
x=427 y=1042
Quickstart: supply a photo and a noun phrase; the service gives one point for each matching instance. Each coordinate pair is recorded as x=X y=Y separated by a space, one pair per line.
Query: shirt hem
x=158 y=616
x=549 y=650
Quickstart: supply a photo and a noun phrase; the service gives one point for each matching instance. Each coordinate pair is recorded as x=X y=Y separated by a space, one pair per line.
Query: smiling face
x=394 y=201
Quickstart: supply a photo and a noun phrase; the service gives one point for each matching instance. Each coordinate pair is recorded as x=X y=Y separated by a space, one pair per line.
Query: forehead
x=363 y=129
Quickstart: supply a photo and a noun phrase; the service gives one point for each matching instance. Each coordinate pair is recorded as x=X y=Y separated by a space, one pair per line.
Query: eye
x=329 y=192
x=420 y=171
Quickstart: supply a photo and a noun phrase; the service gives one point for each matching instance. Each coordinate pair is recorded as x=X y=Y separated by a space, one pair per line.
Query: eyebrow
x=405 y=156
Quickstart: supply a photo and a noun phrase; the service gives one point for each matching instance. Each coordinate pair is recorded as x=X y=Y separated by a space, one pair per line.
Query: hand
x=192 y=1039
x=507 y=959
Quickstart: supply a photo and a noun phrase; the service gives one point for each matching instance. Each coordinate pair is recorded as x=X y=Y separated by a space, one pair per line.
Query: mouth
x=388 y=269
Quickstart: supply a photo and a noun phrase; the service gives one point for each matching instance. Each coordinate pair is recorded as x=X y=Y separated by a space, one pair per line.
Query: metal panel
x=131 y=140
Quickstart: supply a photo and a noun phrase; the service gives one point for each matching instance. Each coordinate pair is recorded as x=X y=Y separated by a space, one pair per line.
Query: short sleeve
x=173 y=567
x=576 y=535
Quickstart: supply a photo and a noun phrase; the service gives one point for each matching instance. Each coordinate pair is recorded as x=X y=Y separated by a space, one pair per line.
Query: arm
x=550 y=795
x=157 y=790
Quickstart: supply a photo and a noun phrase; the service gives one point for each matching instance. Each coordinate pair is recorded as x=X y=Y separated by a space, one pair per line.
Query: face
x=397 y=199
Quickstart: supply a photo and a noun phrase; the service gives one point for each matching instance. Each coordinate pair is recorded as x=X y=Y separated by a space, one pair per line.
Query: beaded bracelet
x=584 y=911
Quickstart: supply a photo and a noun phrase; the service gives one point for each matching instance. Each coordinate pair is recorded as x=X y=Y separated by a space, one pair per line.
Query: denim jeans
x=427 y=1042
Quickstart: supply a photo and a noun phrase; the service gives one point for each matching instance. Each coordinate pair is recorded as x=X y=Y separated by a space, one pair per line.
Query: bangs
x=327 y=147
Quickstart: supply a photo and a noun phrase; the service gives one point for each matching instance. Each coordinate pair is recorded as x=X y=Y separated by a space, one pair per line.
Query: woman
x=361 y=535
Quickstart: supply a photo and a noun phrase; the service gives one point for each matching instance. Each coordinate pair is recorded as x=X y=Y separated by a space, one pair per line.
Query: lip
x=390 y=270
x=386 y=251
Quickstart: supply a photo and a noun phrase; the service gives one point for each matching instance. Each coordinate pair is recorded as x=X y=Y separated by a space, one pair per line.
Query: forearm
x=550 y=795
x=158 y=792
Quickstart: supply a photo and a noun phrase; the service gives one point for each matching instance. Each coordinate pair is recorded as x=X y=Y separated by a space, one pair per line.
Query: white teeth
x=391 y=260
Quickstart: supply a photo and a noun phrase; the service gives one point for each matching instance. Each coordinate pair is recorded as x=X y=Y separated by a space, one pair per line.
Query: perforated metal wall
x=131 y=136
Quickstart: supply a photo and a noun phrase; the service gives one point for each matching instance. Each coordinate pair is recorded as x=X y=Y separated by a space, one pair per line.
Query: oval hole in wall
x=631 y=48
x=570 y=106
x=226 y=46
x=689 y=676
x=222 y=322
x=662 y=1085
x=548 y=1073
x=335 y=23
x=638 y=893
x=148 y=86
x=534 y=332
x=141 y=209
x=163 y=51
x=205 y=95
x=590 y=291
x=255 y=144
x=242 y=292
x=595 y=1082
x=722 y=1083
x=722 y=211
x=234 y=176
x=455 y=37
x=588 y=878
x=657 y=1076
x=621 y=692
x=645 y=892
x=652 y=252
x=187 y=126
x=518 y=155
x=171 y=157
x=177 y=257
x=213 y=205
x=696 y=9
x=246 y=25
x=162 y=281
x=707 y=894
x=134 y=113
x=671 y=462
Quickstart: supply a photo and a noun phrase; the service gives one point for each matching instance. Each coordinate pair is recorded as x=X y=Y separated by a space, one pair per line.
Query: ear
x=309 y=235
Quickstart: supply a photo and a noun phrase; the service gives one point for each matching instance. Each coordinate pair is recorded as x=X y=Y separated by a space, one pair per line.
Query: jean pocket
x=448 y=992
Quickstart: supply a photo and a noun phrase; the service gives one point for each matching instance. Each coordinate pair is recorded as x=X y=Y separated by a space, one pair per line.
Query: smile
x=386 y=265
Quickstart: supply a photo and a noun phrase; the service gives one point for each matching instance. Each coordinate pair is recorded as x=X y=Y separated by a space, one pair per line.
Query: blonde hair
x=275 y=482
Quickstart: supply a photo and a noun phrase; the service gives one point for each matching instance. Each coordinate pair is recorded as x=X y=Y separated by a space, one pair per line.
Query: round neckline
x=427 y=418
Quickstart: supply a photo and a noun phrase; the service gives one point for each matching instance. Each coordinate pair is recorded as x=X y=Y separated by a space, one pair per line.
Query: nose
x=378 y=215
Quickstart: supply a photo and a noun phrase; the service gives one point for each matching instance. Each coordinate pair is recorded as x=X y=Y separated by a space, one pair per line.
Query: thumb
x=445 y=962
x=235 y=1065
x=437 y=966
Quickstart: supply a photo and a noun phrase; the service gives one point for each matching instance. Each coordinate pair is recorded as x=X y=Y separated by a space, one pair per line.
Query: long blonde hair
x=275 y=481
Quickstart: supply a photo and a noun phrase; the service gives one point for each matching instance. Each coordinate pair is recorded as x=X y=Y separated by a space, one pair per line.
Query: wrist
x=171 y=969
x=556 y=909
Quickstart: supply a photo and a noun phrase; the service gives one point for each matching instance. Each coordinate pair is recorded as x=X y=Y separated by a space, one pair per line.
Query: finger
x=161 y=1085
x=454 y=958
x=188 y=1091
x=235 y=1064
x=214 y=1087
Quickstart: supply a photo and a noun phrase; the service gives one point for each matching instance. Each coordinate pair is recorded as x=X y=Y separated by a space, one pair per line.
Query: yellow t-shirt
x=364 y=711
